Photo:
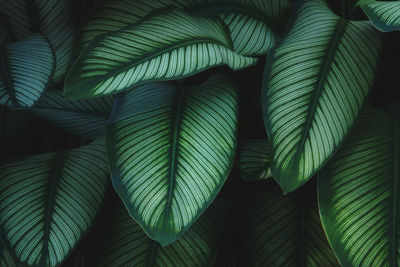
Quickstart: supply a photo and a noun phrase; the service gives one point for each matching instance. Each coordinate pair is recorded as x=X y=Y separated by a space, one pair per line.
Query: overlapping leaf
x=385 y=15
x=170 y=151
x=26 y=69
x=253 y=24
x=316 y=81
x=284 y=230
x=86 y=118
x=167 y=45
x=127 y=245
x=359 y=193
x=49 y=17
x=254 y=160
x=48 y=201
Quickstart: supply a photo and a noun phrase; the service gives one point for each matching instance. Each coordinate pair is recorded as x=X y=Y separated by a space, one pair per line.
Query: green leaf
x=6 y=257
x=170 y=151
x=51 y=18
x=26 y=70
x=48 y=201
x=254 y=160
x=253 y=24
x=359 y=193
x=315 y=84
x=284 y=230
x=167 y=45
x=385 y=15
x=127 y=244
x=86 y=119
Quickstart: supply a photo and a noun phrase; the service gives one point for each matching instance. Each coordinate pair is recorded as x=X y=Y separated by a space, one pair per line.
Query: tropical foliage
x=199 y=133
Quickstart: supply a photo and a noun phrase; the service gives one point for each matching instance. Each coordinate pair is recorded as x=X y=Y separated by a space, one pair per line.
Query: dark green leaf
x=316 y=82
x=127 y=245
x=385 y=15
x=26 y=69
x=254 y=160
x=86 y=118
x=359 y=193
x=170 y=151
x=52 y=18
x=285 y=230
x=48 y=201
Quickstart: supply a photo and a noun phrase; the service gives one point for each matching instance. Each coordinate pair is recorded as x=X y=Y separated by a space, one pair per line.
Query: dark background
x=38 y=136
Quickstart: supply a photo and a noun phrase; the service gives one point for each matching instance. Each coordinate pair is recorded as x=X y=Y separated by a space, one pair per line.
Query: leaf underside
x=384 y=15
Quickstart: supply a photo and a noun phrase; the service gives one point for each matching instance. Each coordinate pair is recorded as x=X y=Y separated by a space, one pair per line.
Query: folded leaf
x=167 y=45
x=284 y=230
x=359 y=193
x=49 y=17
x=385 y=15
x=26 y=69
x=127 y=245
x=254 y=160
x=315 y=84
x=170 y=151
x=86 y=118
x=253 y=24
x=48 y=201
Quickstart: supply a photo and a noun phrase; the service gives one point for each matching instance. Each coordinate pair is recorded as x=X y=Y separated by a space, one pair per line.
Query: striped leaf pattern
x=52 y=18
x=170 y=151
x=385 y=15
x=253 y=24
x=26 y=69
x=285 y=230
x=48 y=201
x=254 y=160
x=127 y=244
x=6 y=258
x=315 y=84
x=86 y=118
x=359 y=193
x=168 y=45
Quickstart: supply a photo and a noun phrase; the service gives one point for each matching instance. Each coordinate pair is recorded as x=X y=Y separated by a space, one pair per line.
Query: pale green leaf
x=315 y=84
x=385 y=15
x=26 y=69
x=284 y=230
x=52 y=18
x=254 y=160
x=86 y=118
x=167 y=45
x=359 y=193
x=48 y=201
x=170 y=151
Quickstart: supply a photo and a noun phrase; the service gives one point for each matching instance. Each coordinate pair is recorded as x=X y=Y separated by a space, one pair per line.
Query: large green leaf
x=254 y=160
x=26 y=69
x=284 y=230
x=6 y=257
x=86 y=118
x=127 y=245
x=52 y=18
x=253 y=24
x=170 y=151
x=316 y=81
x=385 y=15
x=48 y=201
x=359 y=193
x=167 y=45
